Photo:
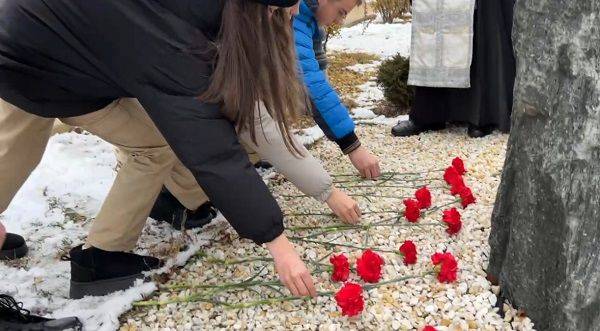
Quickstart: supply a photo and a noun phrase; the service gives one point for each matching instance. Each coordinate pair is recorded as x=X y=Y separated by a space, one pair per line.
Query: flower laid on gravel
x=350 y=299
x=412 y=211
x=452 y=177
x=423 y=196
x=452 y=219
x=409 y=252
x=446 y=267
x=459 y=165
x=369 y=266
x=341 y=268
x=466 y=196
x=429 y=328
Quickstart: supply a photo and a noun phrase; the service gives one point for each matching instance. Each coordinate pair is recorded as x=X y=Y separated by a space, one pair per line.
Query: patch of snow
x=385 y=40
x=310 y=135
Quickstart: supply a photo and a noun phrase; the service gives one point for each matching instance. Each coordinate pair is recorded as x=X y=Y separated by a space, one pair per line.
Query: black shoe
x=409 y=128
x=479 y=131
x=14 y=317
x=168 y=209
x=263 y=165
x=96 y=272
x=14 y=247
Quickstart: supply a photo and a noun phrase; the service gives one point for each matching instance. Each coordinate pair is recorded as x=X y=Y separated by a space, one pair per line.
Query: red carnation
x=409 y=251
x=341 y=268
x=412 y=211
x=369 y=266
x=451 y=176
x=423 y=197
x=457 y=186
x=466 y=196
x=459 y=165
x=349 y=298
x=429 y=328
x=452 y=218
x=446 y=267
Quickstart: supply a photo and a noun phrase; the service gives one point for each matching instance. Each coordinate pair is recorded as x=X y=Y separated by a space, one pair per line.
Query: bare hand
x=344 y=207
x=292 y=271
x=365 y=162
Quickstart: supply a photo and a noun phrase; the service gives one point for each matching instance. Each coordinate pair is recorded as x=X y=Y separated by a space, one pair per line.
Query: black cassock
x=488 y=102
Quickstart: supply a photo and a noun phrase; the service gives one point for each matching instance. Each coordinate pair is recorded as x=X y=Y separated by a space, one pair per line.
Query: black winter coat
x=62 y=58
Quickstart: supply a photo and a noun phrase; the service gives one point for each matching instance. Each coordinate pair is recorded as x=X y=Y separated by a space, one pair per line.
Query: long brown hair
x=256 y=62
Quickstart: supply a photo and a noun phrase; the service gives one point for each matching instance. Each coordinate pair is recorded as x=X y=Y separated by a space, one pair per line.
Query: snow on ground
x=385 y=40
x=56 y=206
x=53 y=211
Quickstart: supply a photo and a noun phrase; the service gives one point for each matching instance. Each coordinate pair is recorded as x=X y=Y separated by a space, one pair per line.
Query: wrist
x=279 y=245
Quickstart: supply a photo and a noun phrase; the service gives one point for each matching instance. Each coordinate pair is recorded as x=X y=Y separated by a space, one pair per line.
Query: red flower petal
x=447 y=267
x=349 y=298
x=423 y=197
x=466 y=196
x=429 y=328
x=459 y=165
x=412 y=211
x=409 y=251
x=452 y=218
x=451 y=176
x=341 y=268
x=368 y=266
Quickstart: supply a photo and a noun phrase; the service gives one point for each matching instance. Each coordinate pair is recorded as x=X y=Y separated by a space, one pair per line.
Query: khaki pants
x=146 y=164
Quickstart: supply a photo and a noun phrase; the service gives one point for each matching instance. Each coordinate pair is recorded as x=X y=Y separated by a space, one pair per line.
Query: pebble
x=404 y=306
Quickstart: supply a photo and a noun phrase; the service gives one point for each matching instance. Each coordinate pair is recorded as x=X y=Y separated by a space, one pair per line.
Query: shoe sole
x=13 y=254
x=79 y=290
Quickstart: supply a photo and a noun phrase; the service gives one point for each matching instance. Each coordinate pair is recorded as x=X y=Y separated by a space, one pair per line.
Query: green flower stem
x=325 y=243
x=392 y=172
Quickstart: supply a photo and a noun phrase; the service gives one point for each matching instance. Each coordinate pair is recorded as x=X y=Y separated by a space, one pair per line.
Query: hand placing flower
x=446 y=267
x=369 y=266
x=409 y=252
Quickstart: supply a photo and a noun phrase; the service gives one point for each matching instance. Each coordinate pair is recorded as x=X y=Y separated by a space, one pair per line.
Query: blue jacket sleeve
x=329 y=112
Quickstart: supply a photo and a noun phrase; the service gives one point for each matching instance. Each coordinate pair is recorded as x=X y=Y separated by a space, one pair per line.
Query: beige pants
x=146 y=164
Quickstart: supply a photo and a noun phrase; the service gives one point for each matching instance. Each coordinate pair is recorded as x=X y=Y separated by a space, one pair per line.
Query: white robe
x=442 y=43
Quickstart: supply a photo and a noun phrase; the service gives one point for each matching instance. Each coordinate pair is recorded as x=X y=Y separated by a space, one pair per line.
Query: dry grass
x=345 y=81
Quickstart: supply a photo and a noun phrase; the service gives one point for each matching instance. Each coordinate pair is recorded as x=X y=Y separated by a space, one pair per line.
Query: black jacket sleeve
x=207 y=144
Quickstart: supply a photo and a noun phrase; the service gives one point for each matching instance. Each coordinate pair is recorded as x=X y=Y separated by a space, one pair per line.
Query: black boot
x=409 y=128
x=168 y=209
x=97 y=272
x=14 y=317
x=479 y=131
x=14 y=247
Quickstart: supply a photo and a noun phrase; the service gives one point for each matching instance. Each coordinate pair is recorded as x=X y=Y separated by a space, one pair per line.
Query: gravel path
x=467 y=304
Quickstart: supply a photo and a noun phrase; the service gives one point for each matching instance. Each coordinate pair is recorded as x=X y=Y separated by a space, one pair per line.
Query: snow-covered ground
x=55 y=207
x=385 y=40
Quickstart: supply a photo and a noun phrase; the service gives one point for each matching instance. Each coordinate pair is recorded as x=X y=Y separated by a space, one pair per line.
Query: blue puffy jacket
x=328 y=110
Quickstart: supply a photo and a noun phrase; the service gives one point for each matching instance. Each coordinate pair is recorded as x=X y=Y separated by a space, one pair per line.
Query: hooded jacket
x=63 y=58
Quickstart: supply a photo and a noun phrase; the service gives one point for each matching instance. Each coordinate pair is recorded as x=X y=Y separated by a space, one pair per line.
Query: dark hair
x=256 y=62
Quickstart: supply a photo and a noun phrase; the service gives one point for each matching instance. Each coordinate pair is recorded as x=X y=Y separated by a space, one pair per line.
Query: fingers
x=291 y=285
x=357 y=209
x=368 y=173
x=304 y=284
x=310 y=285
x=377 y=171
